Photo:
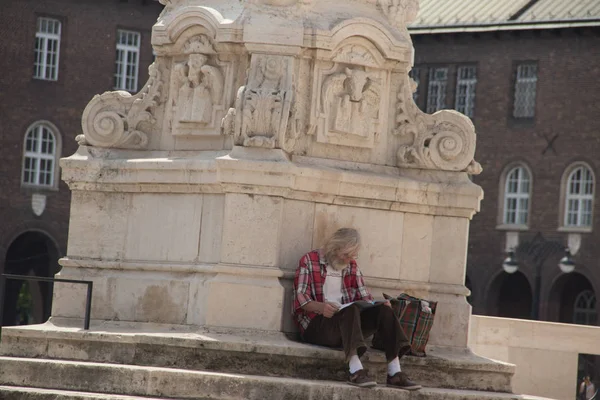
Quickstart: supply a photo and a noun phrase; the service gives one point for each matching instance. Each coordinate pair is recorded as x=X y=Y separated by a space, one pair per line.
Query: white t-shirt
x=332 y=288
x=590 y=390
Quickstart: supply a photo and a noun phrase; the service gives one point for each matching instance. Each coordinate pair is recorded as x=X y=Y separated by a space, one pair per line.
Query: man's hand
x=329 y=309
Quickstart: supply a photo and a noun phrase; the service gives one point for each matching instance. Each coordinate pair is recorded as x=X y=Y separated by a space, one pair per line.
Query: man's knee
x=351 y=312
x=386 y=312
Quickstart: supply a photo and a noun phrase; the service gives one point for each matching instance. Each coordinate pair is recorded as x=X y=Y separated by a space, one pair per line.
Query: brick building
x=528 y=74
x=55 y=56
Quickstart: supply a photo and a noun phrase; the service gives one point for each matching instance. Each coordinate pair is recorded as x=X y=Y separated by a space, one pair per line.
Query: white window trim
x=563 y=227
x=470 y=83
x=519 y=80
x=121 y=75
x=501 y=225
x=45 y=36
x=57 y=154
x=442 y=85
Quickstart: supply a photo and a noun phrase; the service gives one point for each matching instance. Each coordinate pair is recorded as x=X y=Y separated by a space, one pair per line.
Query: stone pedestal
x=265 y=126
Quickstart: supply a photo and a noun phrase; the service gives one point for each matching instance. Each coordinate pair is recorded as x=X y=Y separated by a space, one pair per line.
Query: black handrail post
x=88 y=306
x=2 y=289
x=88 y=300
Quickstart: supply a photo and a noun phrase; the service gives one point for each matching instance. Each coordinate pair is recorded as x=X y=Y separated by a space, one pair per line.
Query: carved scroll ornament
x=444 y=140
x=120 y=120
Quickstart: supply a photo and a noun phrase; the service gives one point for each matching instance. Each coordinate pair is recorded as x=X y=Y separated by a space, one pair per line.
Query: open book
x=362 y=304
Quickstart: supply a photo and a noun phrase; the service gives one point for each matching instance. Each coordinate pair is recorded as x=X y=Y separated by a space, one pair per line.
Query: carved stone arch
x=392 y=48
x=358 y=50
x=169 y=30
x=181 y=44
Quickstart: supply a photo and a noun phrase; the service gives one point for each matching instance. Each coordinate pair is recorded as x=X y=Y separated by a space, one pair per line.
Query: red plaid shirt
x=308 y=286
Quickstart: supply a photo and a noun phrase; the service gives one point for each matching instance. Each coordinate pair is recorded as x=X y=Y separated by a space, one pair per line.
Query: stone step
x=23 y=393
x=268 y=354
x=173 y=383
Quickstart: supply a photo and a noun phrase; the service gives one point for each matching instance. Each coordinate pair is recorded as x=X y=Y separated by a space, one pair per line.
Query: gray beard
x=338 y=266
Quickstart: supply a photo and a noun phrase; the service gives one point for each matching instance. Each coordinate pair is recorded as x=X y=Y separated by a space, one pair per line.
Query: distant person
x=326 y=281
x=587 y=390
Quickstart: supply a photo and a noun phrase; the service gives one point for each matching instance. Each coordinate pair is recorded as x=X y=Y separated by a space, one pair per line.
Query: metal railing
x=88 y=300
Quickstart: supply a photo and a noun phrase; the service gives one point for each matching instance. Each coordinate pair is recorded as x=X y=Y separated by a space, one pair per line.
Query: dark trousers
x=349 y=327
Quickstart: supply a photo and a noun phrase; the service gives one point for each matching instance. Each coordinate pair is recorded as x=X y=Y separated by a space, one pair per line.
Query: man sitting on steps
x=327 y=279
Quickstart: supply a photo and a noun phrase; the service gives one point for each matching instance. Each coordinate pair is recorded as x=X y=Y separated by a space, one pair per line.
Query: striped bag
x=416 y=319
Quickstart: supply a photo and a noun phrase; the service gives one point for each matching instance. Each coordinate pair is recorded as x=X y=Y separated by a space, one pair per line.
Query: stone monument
x=266 y=125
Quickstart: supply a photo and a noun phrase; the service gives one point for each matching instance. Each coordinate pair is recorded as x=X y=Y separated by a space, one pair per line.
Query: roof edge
x=504 y=26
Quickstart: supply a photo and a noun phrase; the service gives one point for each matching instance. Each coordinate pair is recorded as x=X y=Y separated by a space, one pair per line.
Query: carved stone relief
x=262 y=108
x=120 y=120
x=197 y=90
x=444 y=140
x=399 y=13
x=349 y=108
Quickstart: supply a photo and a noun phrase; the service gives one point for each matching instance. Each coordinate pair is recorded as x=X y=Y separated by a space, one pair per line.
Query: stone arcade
x=265 y=125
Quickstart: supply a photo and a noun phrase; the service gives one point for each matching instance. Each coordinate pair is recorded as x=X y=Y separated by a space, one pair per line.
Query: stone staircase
x=119 y=361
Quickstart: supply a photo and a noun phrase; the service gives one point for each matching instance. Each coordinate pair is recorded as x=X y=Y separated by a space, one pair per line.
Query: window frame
x=469 y=97
x=515 y=91
x=442 y=88
x=55 y=170
x=503 y=181
x=45 y=37
x=586 y=312
x=565 y=197
x=121 y=64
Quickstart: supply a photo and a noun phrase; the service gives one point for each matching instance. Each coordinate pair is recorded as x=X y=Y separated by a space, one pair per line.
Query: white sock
x=355 y=364
x=394 y=366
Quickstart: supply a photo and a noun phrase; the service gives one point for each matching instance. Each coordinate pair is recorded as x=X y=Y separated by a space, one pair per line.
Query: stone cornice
x=272 y=173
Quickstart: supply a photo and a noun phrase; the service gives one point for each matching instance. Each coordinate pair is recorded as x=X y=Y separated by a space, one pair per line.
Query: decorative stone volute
x=120 y=120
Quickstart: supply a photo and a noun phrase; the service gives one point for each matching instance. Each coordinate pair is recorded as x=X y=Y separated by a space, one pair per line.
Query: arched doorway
x=31 y=253
x=573 y=300
x=510 y=296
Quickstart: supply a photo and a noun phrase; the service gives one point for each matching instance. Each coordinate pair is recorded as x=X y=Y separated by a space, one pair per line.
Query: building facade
x=531 y=89
x=526 y=72
x=56 y=55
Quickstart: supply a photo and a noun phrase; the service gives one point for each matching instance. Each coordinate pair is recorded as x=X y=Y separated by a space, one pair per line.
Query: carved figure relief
x=197 y=89
x=263 y=105
x=351 y=101
x=444 y=140
x=349 y=108
x=120 y=120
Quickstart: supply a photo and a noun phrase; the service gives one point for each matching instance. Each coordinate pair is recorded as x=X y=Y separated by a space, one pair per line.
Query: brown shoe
x=401 y=381
x=361 y=379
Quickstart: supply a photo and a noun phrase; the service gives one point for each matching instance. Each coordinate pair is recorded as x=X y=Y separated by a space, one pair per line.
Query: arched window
x=40 y=154
x=517 y=185
x=584 y=311
x=579 y=197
